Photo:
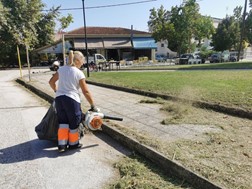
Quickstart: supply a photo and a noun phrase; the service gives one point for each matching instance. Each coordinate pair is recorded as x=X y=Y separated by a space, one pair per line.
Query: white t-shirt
x=68 y=84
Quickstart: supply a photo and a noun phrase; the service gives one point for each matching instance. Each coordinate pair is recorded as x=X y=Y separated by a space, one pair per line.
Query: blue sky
x=136 y=14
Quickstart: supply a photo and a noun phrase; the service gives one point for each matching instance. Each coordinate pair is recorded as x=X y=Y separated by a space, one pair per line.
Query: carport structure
x=113 y=42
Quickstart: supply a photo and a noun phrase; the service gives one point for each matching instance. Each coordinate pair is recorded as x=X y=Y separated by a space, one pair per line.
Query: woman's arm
x=86 y=92
x=53 y=80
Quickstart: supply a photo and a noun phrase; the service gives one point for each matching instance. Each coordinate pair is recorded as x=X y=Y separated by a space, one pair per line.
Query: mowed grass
x=227 y=87
x=225 y=65
x=224 y=158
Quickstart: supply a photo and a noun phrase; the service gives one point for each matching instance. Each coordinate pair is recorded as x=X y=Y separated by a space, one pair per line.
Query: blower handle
x=112 y=118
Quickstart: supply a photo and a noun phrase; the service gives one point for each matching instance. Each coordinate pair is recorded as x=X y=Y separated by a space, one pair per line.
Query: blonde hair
x=75 y=55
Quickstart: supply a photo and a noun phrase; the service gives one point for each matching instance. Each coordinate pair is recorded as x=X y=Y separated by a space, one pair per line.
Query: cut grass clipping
x=136 y=173
x=175 y=113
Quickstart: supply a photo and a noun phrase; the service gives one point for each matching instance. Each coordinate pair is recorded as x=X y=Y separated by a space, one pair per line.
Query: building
x=162 y=49
x=114 y=43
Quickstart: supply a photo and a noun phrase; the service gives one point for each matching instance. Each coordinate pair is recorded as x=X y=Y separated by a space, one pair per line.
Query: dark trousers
x=68 y=111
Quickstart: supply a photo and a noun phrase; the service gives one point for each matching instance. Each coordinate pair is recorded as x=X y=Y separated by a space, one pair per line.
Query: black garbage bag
x=47 y=129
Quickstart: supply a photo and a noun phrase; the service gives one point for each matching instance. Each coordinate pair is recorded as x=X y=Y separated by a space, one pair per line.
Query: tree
x=180 y=25
x=248 y=27
x=159 y=24
x=227 y=35
x=18 y=28
x=22 y=16
x=204 y=29
x=23 y=23
x=65 y=21
x=46 y=27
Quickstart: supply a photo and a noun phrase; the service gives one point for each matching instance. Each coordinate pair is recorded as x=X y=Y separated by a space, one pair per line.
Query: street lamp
x=85 y=31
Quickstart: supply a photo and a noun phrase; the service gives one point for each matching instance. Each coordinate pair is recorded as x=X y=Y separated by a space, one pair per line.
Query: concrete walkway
x=142 y=117
x=28 y=163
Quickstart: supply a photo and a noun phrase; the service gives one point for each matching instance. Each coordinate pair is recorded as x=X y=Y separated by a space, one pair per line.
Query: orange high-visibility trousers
x=69 y=117
x=73 y=137
x=63 y=134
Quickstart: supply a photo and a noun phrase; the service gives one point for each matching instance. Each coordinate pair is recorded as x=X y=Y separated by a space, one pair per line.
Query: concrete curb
x=172 y=168
x=213 y=106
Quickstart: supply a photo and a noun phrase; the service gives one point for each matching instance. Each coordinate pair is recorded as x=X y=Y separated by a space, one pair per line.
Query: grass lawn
x=224 y=157
x=226 y=65
x=227 y=87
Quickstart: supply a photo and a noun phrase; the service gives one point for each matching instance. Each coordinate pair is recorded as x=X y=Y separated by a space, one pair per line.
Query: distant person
x=70 y=78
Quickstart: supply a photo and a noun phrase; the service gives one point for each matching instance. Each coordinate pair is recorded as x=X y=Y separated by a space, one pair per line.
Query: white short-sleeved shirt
x=68 y=84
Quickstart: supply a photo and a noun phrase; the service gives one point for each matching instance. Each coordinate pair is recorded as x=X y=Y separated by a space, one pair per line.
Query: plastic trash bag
x=47 y=129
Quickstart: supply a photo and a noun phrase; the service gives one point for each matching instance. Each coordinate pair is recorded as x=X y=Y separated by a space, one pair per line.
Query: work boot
x=62 y=148
x=76 y=146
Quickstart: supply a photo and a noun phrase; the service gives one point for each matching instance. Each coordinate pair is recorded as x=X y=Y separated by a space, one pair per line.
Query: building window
x=162 y=44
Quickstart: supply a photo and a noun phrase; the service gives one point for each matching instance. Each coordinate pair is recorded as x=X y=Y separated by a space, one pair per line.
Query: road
x=26 y=162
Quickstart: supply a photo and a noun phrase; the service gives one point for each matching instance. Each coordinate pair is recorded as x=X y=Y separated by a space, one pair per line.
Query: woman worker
x=67 y=100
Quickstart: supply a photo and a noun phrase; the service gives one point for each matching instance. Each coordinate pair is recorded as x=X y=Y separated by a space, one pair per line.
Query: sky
x=135 y=14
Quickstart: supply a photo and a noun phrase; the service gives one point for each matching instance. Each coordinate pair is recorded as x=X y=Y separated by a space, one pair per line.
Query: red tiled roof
x=106 y=30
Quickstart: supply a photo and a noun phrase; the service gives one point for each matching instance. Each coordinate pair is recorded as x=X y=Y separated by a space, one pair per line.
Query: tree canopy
x=23 y=22
x=183 y=23
x=180 y=25
x=227 y=36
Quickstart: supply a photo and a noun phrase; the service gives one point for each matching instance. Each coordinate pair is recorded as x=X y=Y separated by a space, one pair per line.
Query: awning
x=144 y=43
x=91 y=43
x=112 y=43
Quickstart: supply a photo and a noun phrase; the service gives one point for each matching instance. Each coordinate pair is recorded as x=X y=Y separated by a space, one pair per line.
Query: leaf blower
x=93 y=120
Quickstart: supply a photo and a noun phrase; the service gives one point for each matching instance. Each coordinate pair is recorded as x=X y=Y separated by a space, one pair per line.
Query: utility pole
x=85 y=31
x=28 y=61
x=242 y=30
x=27 y=51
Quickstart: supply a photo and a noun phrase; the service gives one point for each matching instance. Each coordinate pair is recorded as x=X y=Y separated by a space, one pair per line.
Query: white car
x=128 y=62
x=189 y=59
x=160 y=58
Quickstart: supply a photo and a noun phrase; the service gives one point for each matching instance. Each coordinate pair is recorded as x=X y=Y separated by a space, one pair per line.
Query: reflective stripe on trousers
x=73 y=137
x=63 y=134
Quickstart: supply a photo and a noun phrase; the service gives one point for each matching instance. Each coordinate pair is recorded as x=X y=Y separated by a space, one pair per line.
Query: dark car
x=203 y=60
x=215 y=58
x=44 y=63
x=233 y=58
x=184 y=59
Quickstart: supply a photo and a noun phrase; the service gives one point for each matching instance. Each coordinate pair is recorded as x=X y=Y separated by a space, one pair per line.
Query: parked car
x=215 y=58
x=225 y=57
x=44 y=63
x=203 y=60
x=128 y=62
x=189 y=59
x=161 y=58
x=175 y=60
x=233 y=58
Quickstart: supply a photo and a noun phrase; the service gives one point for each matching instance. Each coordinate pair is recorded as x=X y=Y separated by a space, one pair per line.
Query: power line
x=107 y=6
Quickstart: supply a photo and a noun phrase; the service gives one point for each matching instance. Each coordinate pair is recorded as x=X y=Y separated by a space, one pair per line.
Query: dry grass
x=137 y=173
x=152 y=101
x=224 y=158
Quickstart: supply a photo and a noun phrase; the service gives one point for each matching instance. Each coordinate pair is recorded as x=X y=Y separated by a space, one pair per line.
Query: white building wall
x=162 y=49
x=247 y=53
